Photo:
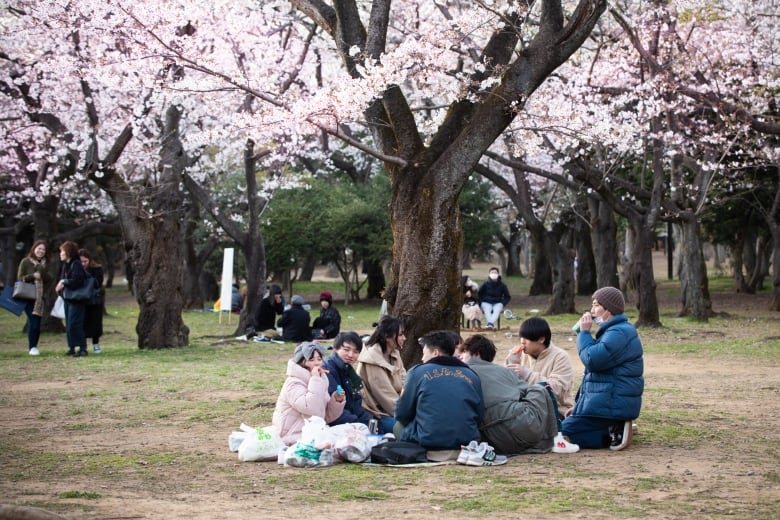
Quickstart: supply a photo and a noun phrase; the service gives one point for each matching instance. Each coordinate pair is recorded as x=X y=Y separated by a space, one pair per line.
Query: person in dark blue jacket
x=441 y=406
x=295 y=322
x=346 y=348
x=610 y=395
x=493 y=297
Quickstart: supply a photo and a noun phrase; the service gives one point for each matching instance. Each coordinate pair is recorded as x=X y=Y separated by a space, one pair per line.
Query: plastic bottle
x=339 y=390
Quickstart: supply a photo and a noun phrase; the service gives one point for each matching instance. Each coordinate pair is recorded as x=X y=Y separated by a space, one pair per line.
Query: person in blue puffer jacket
x=610 y=395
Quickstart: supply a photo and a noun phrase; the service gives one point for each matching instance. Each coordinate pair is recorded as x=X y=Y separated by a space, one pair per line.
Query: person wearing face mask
x=493 y=296
x=610 y=395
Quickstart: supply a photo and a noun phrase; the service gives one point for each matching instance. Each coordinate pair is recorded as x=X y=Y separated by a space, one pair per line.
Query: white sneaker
x=483 y=455
x=465 y=452
x=96 y=349
x=35 y=352
x=562 y=445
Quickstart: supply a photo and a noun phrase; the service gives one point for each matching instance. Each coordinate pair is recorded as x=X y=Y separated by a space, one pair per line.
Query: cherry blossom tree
x=469 y=66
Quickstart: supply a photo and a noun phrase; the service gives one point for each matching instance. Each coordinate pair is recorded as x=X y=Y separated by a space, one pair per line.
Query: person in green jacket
x=519 y=418
x=34 y=269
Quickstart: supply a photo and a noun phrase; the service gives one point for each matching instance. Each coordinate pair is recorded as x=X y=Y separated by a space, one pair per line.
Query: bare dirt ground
x=707 y=448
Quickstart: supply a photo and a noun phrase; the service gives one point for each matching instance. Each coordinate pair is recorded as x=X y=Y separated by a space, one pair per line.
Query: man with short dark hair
x=441 y=405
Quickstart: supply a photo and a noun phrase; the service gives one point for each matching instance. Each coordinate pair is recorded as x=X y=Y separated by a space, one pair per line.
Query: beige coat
x=303 y=397
x=382 y=380
x=553 y=366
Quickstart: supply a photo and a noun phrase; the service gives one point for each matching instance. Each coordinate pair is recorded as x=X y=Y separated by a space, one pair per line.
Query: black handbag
x=84 y=294
x=24 y=290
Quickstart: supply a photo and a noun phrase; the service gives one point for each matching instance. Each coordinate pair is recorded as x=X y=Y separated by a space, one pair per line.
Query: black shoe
x=71 y=353
x=82 y=353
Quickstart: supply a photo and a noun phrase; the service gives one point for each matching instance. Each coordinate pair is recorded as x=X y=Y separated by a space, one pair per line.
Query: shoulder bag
x=24 y=290
x=85 y=293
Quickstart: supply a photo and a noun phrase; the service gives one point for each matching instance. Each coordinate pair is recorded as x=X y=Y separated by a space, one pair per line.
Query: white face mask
x=598 y=320
x=493 y=276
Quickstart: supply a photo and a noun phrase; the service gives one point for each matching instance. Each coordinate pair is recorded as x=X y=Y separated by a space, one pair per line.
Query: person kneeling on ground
x=441 y=406
x=519 y=418
x=610 y=395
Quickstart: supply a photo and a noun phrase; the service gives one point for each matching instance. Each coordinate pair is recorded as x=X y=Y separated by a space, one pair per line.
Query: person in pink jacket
x=305 y=393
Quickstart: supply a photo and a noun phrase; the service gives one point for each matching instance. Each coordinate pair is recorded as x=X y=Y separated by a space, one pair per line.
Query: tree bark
x=150 y=218
x=696 y=301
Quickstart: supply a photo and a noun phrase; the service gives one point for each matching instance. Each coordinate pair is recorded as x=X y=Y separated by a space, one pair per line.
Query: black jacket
x=266 y=313
x=295 y=324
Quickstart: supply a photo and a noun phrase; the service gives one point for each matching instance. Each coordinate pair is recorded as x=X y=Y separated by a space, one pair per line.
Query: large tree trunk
x=150 y=220
x=425 y=290
x=696 y=301
x=156 y=249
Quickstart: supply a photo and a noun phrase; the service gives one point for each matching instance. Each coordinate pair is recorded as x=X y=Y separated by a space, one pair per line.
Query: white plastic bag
x=235 y=439
x=58 y=311
x=316 y=433
x=259 y=444
x=351 y=442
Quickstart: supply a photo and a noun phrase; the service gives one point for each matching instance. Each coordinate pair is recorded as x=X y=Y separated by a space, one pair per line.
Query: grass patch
x=89 y=495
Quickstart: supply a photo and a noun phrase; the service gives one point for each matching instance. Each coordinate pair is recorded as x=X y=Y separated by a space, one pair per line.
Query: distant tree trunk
x=740 y=285
x=513 y=250
x=307 y=269
x=605 y=244
x=194 y=261
x=696 y=301
x=562 y=265
x=249 y=240
x=376 y=279
x=585 y=272
x=642 y=275
x=773 y=221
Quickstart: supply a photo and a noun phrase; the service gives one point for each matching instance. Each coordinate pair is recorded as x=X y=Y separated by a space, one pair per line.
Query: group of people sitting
x=458 y=396
x=295 y=321
x=485 y=301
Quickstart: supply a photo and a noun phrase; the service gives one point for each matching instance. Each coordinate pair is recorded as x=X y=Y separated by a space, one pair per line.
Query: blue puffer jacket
x=612 y=384
x=441 y=406
x=340 y=375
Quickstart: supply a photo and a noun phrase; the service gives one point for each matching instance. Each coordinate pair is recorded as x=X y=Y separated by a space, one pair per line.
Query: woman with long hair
x=34 y=269
x=93 y=317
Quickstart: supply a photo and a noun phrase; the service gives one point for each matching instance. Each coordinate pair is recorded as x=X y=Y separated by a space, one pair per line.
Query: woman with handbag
x=33 y=269
x=73 y=277
x=93 y=319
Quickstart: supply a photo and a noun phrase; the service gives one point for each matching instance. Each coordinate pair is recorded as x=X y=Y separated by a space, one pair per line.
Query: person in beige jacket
x=536 y=359
x=382 y=370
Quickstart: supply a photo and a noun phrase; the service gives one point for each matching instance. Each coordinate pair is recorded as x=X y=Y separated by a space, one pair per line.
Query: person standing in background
x=93 y=316
x=73 y=276
x=33 y=269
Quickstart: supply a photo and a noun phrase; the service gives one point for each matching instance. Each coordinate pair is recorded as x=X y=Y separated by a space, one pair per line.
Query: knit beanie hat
x=326 y=296
x=306 y=350
x=297 y=300
x=611 y=299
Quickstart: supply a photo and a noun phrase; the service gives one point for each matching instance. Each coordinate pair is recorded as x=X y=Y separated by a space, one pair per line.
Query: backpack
x=398 y=452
